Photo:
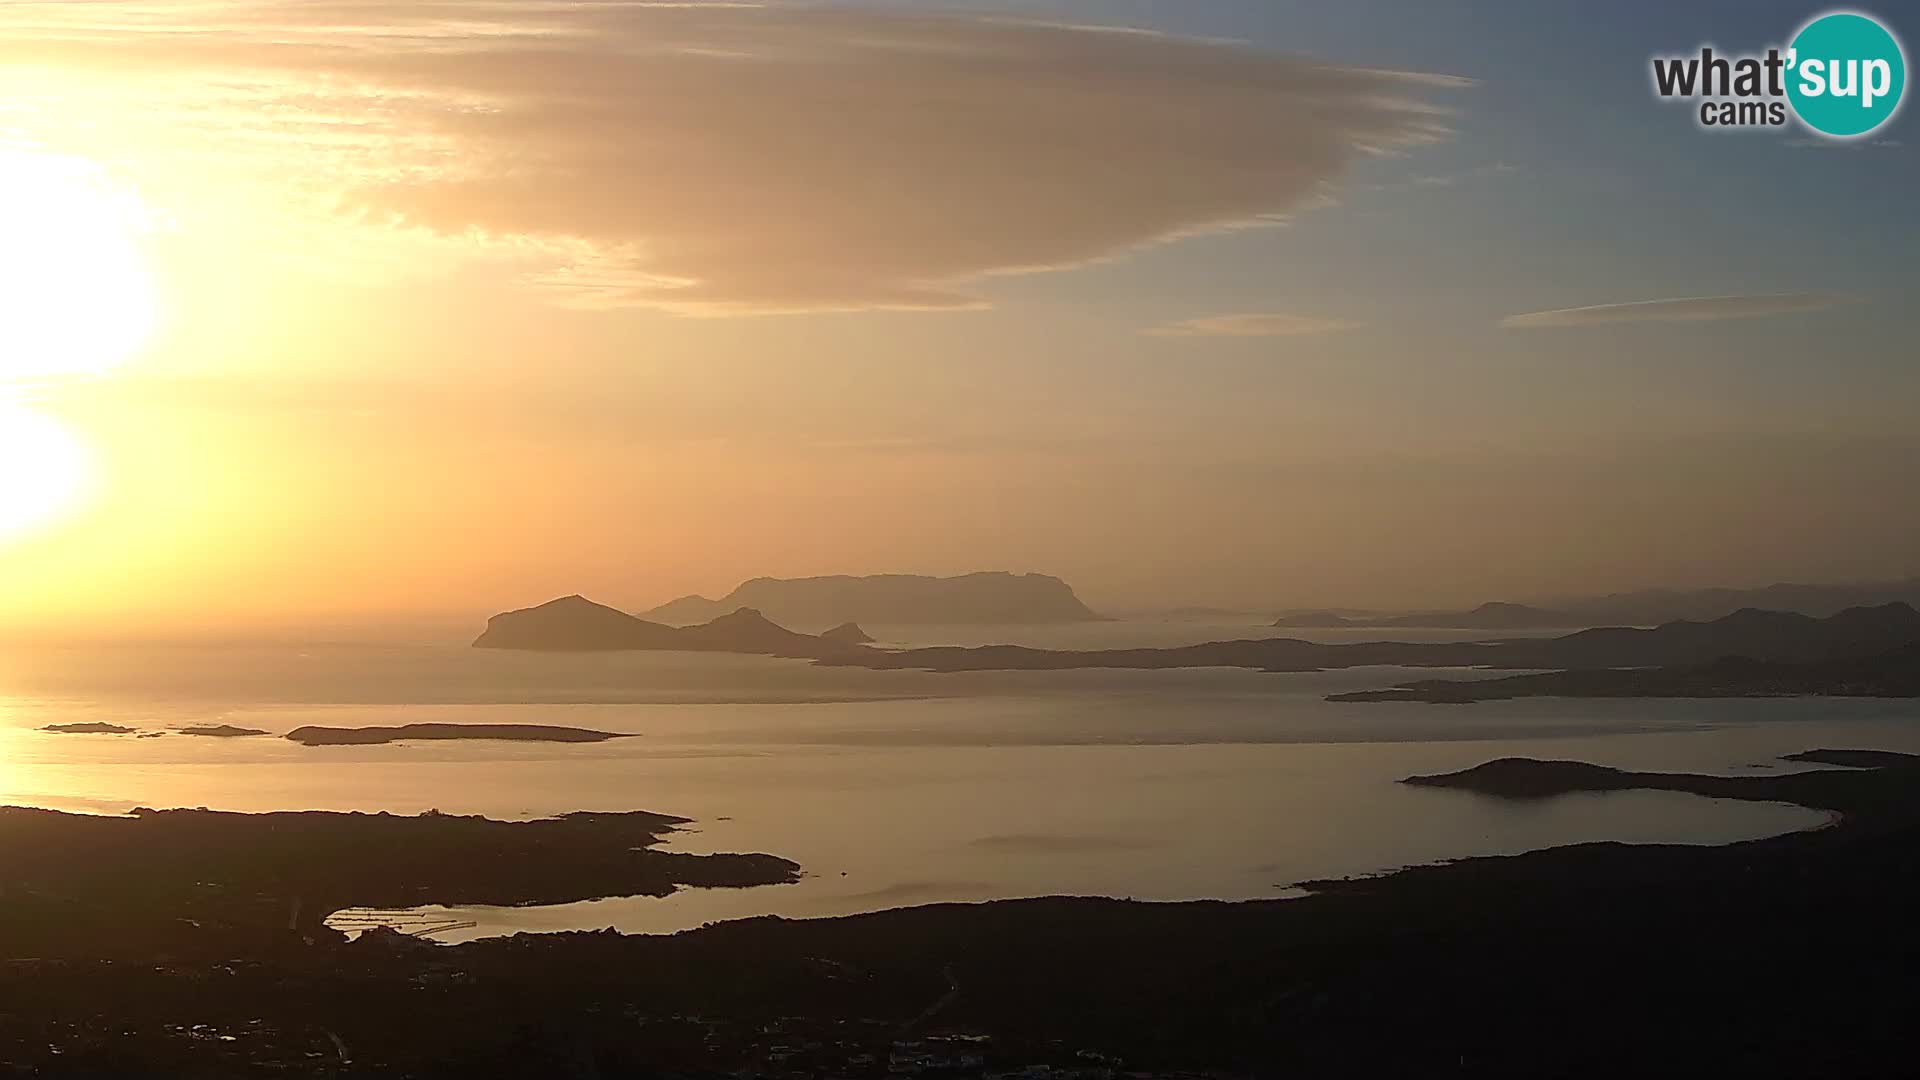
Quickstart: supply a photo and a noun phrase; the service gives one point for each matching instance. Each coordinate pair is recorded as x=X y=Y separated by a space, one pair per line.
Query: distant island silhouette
x=1894 y=674
x=1491 y=616
x=1650 y=606
x=576 y=624
x=367 y=736
x=92 y=727
x=221 y=731
x=1781 y=637
x=847 y=633
x=1532 y=778
x=1646 y=607
x=979 y=598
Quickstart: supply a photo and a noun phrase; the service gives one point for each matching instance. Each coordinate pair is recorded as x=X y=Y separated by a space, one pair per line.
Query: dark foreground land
x=199 y=886
x=1795 y=956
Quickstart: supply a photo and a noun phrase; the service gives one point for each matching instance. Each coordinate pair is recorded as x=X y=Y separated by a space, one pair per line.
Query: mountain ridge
x=1781 y=637
x=982 y=597
x=1642 y=607
x=576 y=624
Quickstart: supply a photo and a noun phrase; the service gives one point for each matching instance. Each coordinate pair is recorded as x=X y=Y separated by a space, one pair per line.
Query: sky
x=338 y=309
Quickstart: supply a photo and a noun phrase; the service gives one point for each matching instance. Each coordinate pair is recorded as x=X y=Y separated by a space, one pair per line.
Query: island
x=576 y=624
x=979 y=598
x=1769 y=636
x=1489 y=616
x=1863 y=651
x=1649 y=607
x=1532 y=778
x=94 y=727
x=847 y=633
x=312 y=735
x=221 y=731
x=1322 y=620
x=1894 y=674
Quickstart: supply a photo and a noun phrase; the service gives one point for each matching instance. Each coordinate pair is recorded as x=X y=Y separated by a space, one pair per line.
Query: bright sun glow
x=75 y=297
x=43 y=470
x=75 y=300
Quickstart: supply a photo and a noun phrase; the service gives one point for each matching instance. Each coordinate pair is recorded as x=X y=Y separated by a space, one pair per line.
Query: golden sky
x=354 y=309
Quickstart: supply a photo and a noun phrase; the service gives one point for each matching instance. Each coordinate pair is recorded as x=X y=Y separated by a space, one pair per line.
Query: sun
x=75 y=300
x=43 y=470
x=75 y=296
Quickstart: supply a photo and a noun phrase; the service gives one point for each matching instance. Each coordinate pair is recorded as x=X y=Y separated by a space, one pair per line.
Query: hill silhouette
x=987 y=597
x=1781 y=637
x=576 y=624
x=847 y=633
x=1489 y=616
x=1646 y=607
x=1894 y=674
x=1652 y=606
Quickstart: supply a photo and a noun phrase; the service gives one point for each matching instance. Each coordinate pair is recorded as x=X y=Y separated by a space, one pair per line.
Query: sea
x=895 y=788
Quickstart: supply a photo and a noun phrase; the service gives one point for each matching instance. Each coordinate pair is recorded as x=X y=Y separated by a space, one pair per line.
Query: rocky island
x=847 y=633
x=1894 y=674
x=1769 y=636
x=1863 y=651
x=1489 y=616
x=370 y=736
x=576 y=624
x=981 y=598
x=221 y=731
x=1649 y=607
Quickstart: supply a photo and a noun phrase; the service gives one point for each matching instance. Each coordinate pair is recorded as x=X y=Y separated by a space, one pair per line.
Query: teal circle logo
x=1846 y=74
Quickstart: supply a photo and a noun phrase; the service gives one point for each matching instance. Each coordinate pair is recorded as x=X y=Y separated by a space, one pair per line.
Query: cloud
x=1687 y=309
x=1253 y=325
x=736 y=158
x=1447 y=180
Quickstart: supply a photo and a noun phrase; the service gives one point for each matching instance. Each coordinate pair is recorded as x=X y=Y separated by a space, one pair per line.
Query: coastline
x=1534 y=962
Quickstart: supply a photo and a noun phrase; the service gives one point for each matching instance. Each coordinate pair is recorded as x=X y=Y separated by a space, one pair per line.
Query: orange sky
x=370 y=310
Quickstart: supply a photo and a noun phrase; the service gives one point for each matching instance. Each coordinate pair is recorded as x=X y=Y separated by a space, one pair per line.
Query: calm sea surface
x=896 y=788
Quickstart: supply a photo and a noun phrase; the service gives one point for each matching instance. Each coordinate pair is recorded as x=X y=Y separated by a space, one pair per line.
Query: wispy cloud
x=1273 y=324
x=1685 y=309
x=708 y=158
x=1452 y=179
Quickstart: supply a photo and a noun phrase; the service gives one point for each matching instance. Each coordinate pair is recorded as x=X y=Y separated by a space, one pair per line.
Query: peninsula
x=211 y=884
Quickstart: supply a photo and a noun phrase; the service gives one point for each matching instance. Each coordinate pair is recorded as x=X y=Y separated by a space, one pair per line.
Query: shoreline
x=1591 y=957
